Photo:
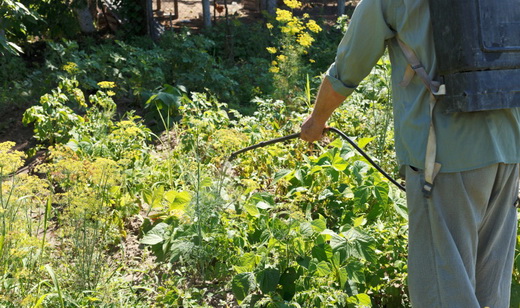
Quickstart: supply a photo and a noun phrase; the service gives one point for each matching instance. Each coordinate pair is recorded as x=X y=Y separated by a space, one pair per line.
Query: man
x=462 y=237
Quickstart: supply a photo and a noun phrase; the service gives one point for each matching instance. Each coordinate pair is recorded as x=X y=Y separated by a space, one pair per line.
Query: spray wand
x=333 y=129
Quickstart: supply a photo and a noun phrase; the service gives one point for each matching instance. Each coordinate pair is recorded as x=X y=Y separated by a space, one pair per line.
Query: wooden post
x=206 y=13
x=152 y=25
x=341 y=7
x=271 y=7
x=149 y=17
x=85 y=19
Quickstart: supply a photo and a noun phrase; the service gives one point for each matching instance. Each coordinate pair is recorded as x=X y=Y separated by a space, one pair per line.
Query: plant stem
x=46 y=218
x=197 y=204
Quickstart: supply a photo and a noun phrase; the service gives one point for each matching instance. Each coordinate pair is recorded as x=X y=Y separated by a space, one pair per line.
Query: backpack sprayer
x=332 y=129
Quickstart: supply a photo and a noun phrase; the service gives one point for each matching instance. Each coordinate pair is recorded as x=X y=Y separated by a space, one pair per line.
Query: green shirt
x=465 y=141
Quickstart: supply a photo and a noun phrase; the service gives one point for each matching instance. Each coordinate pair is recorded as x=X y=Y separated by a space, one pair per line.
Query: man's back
x=461 y=236
x=465 y=141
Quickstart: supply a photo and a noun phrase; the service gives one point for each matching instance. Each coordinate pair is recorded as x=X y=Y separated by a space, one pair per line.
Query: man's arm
x=359 y=50
x=326 y=102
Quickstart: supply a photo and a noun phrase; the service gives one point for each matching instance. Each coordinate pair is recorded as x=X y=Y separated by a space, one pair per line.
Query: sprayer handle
x=263 y=144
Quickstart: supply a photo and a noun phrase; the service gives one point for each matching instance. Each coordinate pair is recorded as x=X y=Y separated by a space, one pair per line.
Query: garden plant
x=125 y=197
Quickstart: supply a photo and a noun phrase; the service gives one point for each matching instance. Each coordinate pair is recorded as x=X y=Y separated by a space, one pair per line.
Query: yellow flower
x=281 y=58
x=271 y=50
x=313 y=26
x=293 y=4
x=111 y=93
x=71 y=68
x=305 y=39
x=10 y=161
x=293 y=27
x=283 y=15
x=107 y=84
x=306 y=15
x=312 y=61
x=274 y=69
x=79 y=96
x=274 y=63
x=269 y=25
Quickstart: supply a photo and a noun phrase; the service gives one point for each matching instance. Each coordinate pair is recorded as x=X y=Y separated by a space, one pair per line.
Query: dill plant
x=22 y=199
x=86 y=196
x=292 y=38
x=94 y=174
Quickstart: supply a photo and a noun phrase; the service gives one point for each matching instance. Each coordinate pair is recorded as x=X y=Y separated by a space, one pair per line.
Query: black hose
x=263 y=144
x=365 y=155
x=333 y=129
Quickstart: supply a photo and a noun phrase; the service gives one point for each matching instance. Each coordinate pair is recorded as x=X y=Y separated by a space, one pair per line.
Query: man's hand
x=326 y=102
x=312 y=130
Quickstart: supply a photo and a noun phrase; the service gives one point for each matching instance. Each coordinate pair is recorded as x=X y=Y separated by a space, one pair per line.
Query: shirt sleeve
x=361 y=47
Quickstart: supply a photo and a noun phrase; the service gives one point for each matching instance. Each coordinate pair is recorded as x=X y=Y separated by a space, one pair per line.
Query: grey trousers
x=462 y=240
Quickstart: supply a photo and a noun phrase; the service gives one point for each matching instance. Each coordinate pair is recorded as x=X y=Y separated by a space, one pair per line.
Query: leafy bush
x=123 y=216
x=53 y=119
x=294 y=223
x=13 y=26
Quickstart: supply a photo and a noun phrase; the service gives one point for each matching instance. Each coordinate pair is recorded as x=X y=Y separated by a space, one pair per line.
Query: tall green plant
x=293 y=36
x=14 y=19
x=53 y=119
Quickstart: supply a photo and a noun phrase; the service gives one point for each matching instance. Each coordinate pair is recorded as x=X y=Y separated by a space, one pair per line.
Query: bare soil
x=189 y=12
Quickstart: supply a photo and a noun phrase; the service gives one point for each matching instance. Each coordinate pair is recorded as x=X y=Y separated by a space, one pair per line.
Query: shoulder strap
x=415 y=66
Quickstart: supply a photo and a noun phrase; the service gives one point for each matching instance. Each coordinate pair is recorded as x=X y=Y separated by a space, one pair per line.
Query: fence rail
x=173 y=13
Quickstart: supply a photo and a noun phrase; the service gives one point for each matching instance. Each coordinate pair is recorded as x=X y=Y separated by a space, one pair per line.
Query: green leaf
x=151 y=239
x=361 y=300
x=246 y=263
x=339 y=163
x=362 y=193
x=299 y=246
x=252 y=210
x=268 y=279
x=287 y=281
x=362 y=142
x=323 y=268
x=306 y=229
x=355 y=271
x=299 y=176
x=361 y=220
x=177 y=200
x=56 y=283
x=281 y=174
x=40 y=300
x=11 y=47
x=169 y=96
x=402 y=209
x=381 y=192
x=73 y=145
x=262 y=196
x=319 y=224
x=354 y=243
x=327 y=234
x=359 y=168
x=156 y=235
x=180 y=248
x=242 y=284
x=322 y=252
x=337 y=143
x=262 y=205
x=154 y=197
x=343 y=277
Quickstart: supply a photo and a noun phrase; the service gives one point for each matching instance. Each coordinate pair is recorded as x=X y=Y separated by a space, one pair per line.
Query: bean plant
x=134 y=201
